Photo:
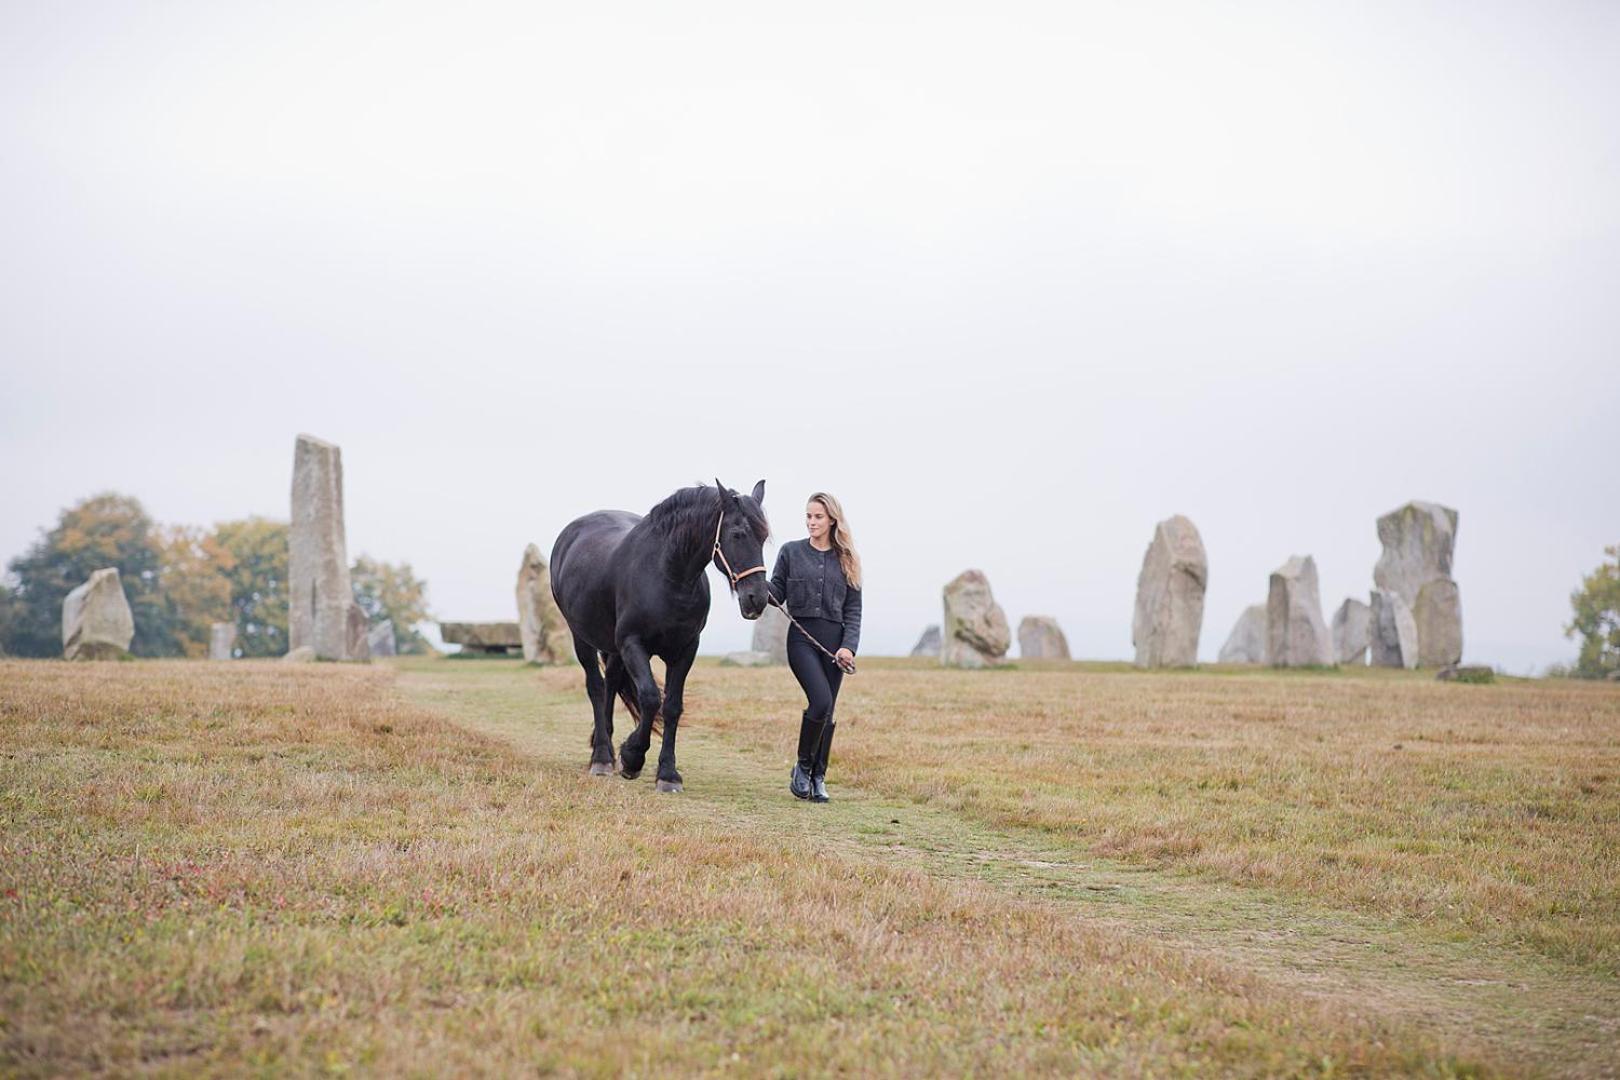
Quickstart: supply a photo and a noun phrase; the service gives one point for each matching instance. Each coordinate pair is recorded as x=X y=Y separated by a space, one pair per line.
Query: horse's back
x=581 y=578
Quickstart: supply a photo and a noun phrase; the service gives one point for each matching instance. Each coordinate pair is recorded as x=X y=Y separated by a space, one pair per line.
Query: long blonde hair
x=843 y=540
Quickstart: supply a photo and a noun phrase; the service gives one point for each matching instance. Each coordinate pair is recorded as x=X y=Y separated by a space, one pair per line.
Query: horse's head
x=741 y=547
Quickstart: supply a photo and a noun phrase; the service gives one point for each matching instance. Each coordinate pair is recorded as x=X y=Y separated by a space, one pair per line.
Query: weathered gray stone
x=749 y=658
x=1170 y=596
x=319 y=594
x=1041 y=638
x=1296 y=636
x=490 y=637
x=381 y=639
x=771 y=634
x=929 y=643
x=1352 y=632
x=975 y=633
x=221 y=641
x=1419 y=540
x=1393 y=633
x=1438 y=615
x=96 y=621
x=304 y=654
x=1246 y=644
x=546 y=638
x=357 y=634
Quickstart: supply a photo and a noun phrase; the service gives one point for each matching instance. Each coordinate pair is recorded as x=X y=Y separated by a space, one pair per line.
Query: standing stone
x=221 y=640
x=1246 y=644
x=771 y=634
x=1041 y=638
x=545 y=635
x=1296 y=636
x=1352 y=632
x=1170 y=596
x=357 y=634
x=381 y=639
x=975 y=633
x=319 y=595
x=1393 y=631
x=96 y=621
x=1438 y=615
x=1418 y=540
x=929 y=643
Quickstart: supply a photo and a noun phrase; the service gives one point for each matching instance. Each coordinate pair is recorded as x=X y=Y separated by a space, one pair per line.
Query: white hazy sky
x=1015 y=281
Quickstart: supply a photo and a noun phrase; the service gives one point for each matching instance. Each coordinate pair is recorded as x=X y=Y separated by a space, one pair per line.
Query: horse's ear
x=724 y=491
x=759 y=493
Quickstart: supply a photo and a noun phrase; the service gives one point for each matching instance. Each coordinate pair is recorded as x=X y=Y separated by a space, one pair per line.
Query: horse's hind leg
x=601 y=709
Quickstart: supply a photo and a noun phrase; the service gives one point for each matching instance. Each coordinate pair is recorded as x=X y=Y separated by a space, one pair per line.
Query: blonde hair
x=843 y=540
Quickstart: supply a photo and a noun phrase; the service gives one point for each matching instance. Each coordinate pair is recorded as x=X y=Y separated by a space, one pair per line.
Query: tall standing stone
x=319 y=595
x=96 y=621
x=1392 y=631
x=771 y=634
x=1418 y=541
x=1246 y=644
x=1170 y=596
x=1296 y=636
x=1041 y=638
x=1438 y=615
x=1352 y=632
x=545 y=635
x=221 y=640
x=975 y=633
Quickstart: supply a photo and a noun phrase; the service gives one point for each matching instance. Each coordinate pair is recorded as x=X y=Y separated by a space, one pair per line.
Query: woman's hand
x=845 y=659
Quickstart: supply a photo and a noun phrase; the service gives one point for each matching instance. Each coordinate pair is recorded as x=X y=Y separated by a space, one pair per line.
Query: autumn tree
x=1597 y=619
x=257 y=549
x=103 y=530
x=392 y=591
x=194 y=584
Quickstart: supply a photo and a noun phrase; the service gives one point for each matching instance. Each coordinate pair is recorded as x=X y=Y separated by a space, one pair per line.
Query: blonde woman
x=820 y=579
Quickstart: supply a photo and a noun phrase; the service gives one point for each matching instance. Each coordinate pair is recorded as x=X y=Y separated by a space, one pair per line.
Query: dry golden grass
x=1488 y=812
x=253 y=867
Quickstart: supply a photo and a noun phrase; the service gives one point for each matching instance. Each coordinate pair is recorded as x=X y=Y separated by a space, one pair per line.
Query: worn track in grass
x=1500 y=1002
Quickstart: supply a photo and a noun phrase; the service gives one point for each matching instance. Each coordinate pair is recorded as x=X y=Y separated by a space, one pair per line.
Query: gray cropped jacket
x=813 y=584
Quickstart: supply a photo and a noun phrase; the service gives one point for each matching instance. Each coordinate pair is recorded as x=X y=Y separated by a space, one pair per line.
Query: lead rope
x=846 y=666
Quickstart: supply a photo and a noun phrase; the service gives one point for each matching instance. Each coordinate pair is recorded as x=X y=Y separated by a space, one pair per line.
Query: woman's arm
x=852 y=620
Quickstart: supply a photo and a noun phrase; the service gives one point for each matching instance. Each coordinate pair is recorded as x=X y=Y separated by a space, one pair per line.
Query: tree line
x=180 y=579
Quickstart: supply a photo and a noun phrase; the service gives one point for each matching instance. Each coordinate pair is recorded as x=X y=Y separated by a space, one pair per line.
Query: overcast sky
x=1015 y=281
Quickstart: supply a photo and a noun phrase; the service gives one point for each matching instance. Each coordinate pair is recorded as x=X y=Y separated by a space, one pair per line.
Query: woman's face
x=816 y=521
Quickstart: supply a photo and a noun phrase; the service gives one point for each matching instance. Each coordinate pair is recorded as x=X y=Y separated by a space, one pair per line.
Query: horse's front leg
x=669 y=777
x=638 y=669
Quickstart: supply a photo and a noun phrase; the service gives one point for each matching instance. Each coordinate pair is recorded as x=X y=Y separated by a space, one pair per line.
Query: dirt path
x=1502 y=1004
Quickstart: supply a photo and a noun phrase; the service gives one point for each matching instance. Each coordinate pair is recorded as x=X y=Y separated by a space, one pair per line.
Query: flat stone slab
x=485 y=636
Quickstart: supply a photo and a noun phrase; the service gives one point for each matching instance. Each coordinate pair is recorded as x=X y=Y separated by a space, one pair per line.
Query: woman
x=820 y=578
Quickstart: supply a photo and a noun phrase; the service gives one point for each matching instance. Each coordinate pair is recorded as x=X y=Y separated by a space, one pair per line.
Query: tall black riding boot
x=809 y=741
x=818 y=775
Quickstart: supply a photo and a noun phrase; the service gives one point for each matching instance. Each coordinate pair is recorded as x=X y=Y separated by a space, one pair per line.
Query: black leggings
x=818 y=676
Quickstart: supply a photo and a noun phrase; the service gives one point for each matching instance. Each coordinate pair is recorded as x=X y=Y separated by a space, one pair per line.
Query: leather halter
x=721 y=555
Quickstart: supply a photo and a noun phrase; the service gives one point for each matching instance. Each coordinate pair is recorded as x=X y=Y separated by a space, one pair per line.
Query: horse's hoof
x=670 y=787
x=629 y=774
x=601 y=768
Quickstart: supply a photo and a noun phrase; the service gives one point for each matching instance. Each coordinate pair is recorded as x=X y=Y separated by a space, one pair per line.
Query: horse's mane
x=690 y=514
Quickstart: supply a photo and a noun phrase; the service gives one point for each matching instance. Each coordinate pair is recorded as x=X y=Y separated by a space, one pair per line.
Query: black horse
x=634 y=587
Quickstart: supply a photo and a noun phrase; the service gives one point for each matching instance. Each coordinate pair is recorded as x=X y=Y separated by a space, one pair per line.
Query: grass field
x=263 y=868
